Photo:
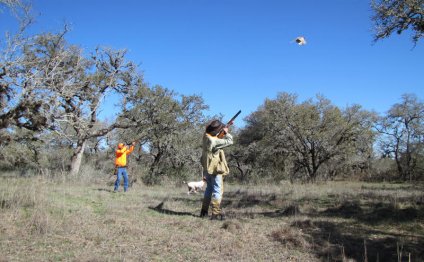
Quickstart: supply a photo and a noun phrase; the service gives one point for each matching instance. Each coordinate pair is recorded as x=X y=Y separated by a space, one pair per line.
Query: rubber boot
x=216 y=209
x=220 y=216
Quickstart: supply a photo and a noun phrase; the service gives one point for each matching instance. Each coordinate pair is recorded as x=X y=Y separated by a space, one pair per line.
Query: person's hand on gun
x=225 y=129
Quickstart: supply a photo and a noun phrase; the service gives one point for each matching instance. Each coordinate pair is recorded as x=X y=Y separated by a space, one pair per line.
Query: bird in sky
x=300 y=40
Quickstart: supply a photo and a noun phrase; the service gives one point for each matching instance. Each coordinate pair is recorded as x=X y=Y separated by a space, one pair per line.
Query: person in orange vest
x=121 y=165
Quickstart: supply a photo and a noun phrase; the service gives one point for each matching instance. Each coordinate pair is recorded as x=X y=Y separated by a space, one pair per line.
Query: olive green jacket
x=213 y=158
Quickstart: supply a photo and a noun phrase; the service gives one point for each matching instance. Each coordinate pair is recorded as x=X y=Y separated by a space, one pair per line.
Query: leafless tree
x=80 y=96
x=49 y=85
x=402 y=132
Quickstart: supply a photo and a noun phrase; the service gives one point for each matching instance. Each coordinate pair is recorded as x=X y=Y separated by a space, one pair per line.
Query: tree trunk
x=77 y=157
x=153 y=172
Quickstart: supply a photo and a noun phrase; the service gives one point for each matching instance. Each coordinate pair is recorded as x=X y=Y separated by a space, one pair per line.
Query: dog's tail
x=184 y=182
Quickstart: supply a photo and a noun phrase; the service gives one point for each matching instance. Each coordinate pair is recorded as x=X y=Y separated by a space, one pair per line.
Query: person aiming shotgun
x=215 y=138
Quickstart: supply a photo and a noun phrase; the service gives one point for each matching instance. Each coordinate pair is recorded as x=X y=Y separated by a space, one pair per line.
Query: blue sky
x=237 y=53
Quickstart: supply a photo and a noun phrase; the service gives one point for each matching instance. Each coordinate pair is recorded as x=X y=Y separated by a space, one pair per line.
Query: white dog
x=193 y=187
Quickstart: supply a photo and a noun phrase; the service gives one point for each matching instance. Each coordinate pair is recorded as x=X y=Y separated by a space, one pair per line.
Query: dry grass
x=42 y=220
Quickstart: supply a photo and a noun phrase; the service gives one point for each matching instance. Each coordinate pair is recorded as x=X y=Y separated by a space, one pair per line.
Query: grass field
x=44 y=220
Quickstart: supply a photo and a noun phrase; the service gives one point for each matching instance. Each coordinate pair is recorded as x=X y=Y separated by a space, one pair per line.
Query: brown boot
x=218 y=217
x=222 y=215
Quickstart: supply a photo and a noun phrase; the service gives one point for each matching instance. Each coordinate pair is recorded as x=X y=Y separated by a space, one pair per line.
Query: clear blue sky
x=236 y=53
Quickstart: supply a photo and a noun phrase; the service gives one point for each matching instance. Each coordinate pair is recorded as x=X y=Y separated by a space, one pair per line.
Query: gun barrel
x=234 y=117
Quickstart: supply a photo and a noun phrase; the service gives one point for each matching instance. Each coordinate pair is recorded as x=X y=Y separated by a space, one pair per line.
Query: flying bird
x=300 y=40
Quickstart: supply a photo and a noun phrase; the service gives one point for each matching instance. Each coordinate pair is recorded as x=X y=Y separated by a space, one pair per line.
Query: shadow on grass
x=356 y=238
x=233 y=201
x=4 y=204
x=244 y=200
x=289 y=211
x=374 y=213
x=376 y=196
x=371 y=212
x=159 y=208
x=104 y=189
x=393 y=186
x=189 y=201
x=336 y=242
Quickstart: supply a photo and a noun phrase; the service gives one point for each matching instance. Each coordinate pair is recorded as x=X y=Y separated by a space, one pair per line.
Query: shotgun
x=221 y=133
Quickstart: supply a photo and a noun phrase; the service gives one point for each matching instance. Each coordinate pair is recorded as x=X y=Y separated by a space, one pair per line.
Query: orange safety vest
x=121 y=156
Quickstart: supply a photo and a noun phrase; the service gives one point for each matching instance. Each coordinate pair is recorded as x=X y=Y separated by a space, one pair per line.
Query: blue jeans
x=214 y=187
x=122 y=171
x=213 y=193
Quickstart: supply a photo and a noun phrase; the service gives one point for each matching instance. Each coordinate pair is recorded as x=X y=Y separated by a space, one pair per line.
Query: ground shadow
x=336 y=242
x=344 y=230
x=244 y=200
x=104 y=189
x=189 y=201
x=338 y=230
x=4 y=204
x=374 y=213
x=236 y=201
x=371 y=213
x=393 y=187
x=159 y=208
x=291 y=210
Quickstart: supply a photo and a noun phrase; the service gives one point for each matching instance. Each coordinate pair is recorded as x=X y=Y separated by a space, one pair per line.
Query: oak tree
x=397 y=16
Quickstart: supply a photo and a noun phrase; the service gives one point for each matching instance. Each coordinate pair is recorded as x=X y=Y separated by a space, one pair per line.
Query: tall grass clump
x=24 y=201
x=19 y=193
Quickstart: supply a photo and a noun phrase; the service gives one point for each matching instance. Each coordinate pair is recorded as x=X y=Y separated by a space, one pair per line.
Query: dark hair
x=214 y=127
